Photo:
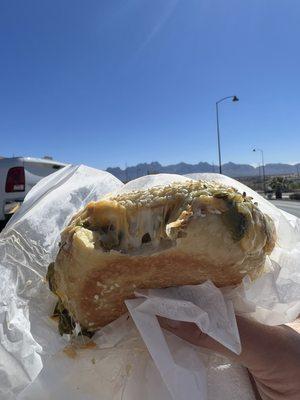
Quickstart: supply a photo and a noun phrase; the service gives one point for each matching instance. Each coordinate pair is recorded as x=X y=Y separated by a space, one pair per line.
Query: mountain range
x=231 y=169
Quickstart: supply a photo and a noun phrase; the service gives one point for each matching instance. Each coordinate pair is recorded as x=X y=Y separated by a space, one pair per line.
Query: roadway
x=292 y=207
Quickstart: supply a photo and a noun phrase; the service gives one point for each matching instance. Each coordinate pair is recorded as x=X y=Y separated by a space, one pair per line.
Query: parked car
x=295 y=196
x=17 y=176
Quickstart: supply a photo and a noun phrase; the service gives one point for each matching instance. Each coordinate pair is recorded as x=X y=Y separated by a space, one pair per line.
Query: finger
x=185 y=330
x=169 y=324
x=191 y=333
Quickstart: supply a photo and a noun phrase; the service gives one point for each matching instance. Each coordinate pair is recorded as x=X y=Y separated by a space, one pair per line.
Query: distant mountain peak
x=182 y=168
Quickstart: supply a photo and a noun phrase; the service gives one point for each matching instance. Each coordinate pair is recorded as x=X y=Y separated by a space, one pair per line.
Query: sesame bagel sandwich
x=179 y=234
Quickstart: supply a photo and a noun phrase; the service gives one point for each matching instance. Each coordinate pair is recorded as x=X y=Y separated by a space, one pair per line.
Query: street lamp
x=263 y=167
x=234 y=98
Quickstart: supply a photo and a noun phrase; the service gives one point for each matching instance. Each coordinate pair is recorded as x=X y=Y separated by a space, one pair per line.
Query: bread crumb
x=70 y=351
x=88 y=345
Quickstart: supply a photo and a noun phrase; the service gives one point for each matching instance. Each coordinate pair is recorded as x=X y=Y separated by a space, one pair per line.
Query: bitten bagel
x=180 y=234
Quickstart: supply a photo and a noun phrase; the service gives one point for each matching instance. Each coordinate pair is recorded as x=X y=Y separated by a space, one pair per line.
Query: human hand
x=271 y=353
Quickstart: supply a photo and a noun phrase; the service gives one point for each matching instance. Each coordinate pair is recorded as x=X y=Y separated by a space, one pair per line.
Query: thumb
x=191 y=333
x=185 y=330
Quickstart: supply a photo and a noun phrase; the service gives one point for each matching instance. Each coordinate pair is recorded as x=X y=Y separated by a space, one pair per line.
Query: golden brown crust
x=214 y=238
x=99 y=298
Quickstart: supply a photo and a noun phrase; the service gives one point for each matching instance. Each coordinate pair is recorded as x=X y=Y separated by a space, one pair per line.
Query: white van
x=17 y=176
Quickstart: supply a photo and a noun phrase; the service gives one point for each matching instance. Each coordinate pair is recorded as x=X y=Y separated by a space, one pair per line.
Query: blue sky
x=115 y=82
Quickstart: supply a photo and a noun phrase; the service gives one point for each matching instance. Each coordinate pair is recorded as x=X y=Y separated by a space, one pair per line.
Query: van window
x=40 y=169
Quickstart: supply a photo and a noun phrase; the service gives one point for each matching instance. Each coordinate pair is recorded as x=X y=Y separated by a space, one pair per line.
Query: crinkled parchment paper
x=125 y=365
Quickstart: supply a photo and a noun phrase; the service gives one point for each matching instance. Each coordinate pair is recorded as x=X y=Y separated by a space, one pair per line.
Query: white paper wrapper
x=205 y=306
x=121 y=366
x=27 y=245
x=274 y=298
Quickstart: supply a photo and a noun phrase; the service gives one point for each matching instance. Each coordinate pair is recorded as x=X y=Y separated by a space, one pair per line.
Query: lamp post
x=234 y=98
x=263 y=167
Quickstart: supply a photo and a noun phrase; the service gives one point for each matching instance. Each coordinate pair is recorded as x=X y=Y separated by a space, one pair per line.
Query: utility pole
x=263 y=168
